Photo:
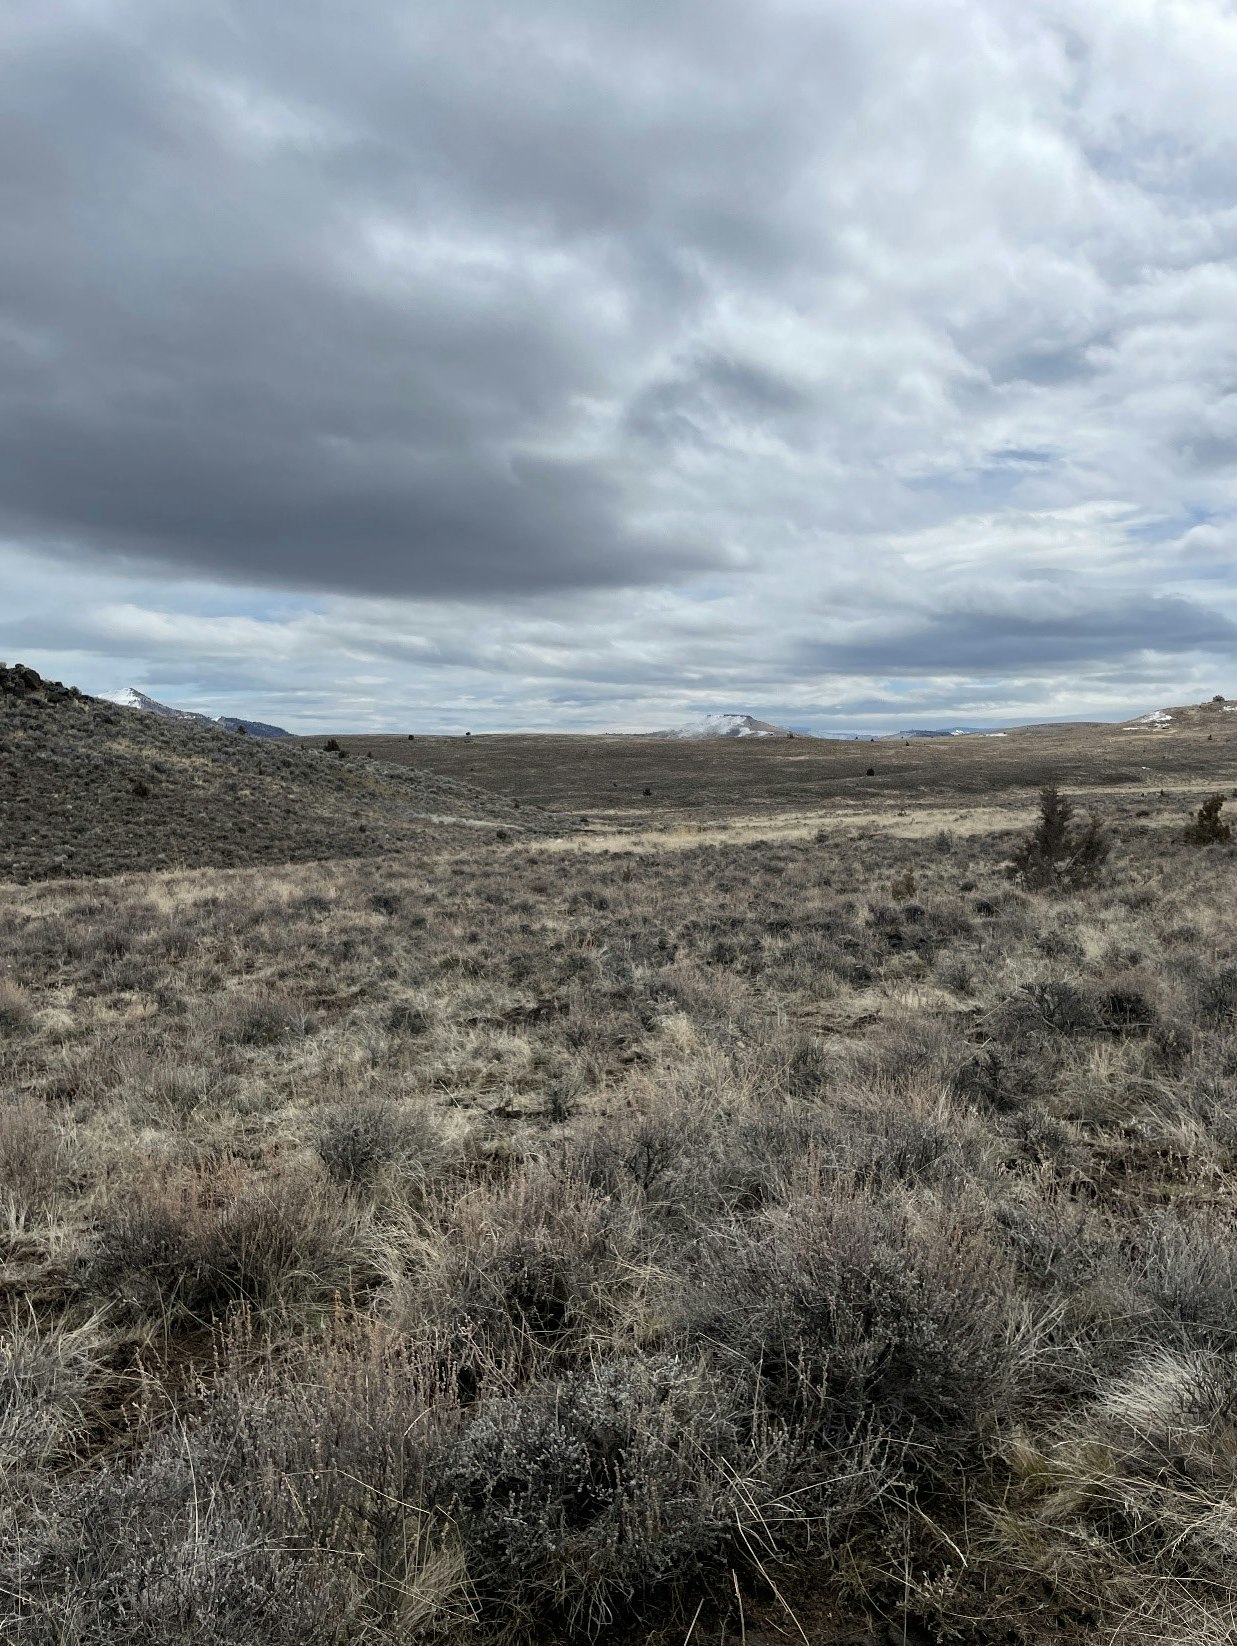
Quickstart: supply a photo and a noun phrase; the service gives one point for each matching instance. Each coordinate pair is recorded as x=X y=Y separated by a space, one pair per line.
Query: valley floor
x=781 y=1228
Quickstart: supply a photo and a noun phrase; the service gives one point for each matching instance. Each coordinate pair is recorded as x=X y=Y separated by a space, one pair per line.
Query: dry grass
x=641 y=782
x=522 y=1242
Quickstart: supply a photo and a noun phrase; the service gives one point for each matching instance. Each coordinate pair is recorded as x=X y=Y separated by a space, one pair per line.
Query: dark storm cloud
x=323 y=298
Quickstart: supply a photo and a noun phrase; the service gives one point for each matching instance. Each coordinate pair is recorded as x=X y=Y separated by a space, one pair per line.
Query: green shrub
x=1057 y=856
x=1208 y=828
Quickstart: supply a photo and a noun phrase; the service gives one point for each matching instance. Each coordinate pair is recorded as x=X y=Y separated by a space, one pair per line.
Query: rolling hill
x=88 y=787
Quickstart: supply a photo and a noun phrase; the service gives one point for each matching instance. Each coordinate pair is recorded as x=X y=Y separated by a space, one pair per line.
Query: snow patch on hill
x=727 y=725
x=128 y=697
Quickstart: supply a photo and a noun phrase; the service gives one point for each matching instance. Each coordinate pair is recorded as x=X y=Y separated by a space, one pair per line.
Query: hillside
x=1210 y=717
x=91 y=788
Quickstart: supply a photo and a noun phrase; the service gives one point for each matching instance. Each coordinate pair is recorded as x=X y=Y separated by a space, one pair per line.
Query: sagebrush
x=552 y=1242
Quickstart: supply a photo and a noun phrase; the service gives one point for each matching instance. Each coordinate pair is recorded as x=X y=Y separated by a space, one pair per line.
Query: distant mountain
x=726 y=725
x=255 y=728
x=130 y=698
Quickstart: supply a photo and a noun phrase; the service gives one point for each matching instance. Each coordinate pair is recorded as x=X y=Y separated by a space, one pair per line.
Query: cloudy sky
x=594 y=363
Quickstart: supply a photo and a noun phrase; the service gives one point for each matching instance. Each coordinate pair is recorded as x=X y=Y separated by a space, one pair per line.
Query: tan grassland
x=756 y=1221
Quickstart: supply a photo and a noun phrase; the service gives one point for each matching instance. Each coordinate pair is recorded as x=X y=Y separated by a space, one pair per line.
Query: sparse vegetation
x=87 y=789
x=639 y=1238
x=714 y=777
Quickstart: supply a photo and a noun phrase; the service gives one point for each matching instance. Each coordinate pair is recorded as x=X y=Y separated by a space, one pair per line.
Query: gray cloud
x=326 y=305
x=562 y=355
x=1003 y=639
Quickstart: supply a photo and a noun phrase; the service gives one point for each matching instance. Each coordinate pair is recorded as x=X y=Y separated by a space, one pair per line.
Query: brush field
x=762 y=1222
x=606 y=777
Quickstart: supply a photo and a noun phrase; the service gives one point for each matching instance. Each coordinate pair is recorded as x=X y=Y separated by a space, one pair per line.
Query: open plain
x=640 y=783
x=752 y=1214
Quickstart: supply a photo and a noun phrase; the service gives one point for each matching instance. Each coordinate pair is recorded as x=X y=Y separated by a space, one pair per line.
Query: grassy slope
x=541 y=1239
x=87 y=788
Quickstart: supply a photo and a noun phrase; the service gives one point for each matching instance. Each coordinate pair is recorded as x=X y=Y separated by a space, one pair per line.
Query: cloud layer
x=583 y=365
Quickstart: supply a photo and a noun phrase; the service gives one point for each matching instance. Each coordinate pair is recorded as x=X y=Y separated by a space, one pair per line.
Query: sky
x=594 y=364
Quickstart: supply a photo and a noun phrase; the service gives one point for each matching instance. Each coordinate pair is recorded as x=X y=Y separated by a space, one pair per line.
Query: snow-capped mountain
x=130 y=698
x=727 y=725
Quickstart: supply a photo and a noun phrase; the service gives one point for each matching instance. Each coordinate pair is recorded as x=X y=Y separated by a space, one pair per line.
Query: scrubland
x=625 y=780
x=87 y=788
x=802 y=1239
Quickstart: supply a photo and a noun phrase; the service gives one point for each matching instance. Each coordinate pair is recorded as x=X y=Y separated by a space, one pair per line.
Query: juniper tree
x=1207 y=828
x=1056 y=855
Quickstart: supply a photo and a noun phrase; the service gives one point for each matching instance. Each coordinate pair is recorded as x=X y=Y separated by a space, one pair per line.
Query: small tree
x=1207 y=829
x=1056 y=855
